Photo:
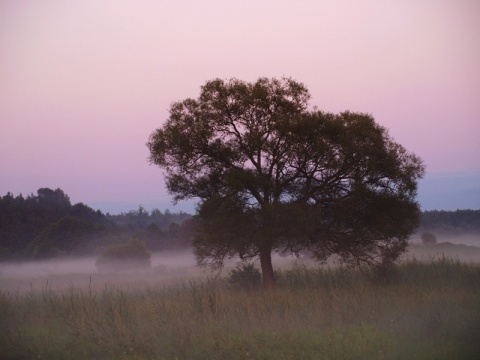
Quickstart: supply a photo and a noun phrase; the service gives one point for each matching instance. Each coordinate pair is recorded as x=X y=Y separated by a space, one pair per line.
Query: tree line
x=46 y=224
x=451 y=222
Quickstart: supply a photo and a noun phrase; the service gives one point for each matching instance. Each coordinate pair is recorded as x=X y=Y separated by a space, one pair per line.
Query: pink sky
x=84 y=83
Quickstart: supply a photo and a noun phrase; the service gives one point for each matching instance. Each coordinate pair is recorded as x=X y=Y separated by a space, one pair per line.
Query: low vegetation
x=429 y=310
x=245 y=276
x=125 y=256
x=429 y=239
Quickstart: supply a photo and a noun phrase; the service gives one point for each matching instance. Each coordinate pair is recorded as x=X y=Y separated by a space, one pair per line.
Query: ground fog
x=173 y=266
x=82 y=272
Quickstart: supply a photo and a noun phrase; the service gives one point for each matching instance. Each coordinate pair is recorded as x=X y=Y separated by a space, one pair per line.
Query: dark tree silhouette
x=272 y=175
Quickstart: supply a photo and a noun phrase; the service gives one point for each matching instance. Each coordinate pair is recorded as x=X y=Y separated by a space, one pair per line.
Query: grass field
x=428 y=310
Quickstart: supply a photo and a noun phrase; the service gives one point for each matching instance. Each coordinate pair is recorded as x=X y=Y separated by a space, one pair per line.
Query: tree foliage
x=46 y=224
x=272 y=175
x=141 y=218
x=68 y=235
x=37 y=217
x=451 y=222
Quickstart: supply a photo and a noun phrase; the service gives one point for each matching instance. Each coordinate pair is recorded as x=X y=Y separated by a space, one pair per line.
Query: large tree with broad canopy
x=273 y=175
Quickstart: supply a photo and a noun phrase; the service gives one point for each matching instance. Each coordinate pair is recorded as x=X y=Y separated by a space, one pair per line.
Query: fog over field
x=87 y=265
x=61 y=274
x=463 y=239
x=173 y=266
x=80 y=272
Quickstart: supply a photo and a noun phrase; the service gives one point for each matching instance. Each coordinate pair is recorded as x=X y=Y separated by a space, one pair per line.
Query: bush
x=429 y=239
x=246 y=275
x=131 y=255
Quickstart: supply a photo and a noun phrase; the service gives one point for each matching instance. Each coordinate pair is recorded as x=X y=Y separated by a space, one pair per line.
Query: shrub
x=131 y=255
x=429 y=239
x=246 y=275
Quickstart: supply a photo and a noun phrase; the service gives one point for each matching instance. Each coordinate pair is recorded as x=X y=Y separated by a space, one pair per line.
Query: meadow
x=424 y=310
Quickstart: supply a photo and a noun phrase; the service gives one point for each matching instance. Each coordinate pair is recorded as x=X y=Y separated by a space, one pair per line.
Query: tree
x=23 y=219
x=272 y=175
x=66 y=236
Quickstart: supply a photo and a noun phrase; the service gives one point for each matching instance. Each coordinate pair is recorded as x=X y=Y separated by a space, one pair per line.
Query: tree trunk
x=267 y=269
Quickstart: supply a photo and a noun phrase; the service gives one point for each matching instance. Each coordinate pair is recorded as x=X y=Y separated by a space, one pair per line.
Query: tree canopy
x=271 y=174
x=46 y=225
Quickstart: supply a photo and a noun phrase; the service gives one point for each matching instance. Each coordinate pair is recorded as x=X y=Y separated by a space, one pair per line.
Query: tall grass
x=427 y=311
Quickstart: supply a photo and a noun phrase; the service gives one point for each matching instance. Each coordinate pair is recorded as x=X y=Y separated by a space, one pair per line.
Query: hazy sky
x=84 y=83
